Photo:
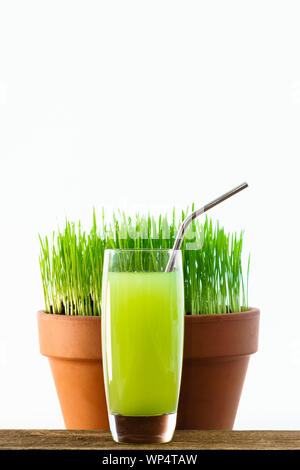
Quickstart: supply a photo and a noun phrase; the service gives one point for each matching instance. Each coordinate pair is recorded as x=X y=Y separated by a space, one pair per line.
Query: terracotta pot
x=73 y=347
x=216 y=355
x=217 y=349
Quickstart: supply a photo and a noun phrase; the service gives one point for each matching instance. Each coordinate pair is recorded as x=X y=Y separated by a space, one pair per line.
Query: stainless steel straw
x=193 y=215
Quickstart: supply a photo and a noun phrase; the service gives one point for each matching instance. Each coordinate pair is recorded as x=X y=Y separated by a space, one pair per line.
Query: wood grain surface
x=197 y=440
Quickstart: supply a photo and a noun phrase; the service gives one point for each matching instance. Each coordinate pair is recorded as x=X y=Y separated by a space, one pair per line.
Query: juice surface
x=142 y=334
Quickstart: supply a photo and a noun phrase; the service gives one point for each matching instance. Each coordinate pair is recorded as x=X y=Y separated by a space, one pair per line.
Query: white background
x=142 y=105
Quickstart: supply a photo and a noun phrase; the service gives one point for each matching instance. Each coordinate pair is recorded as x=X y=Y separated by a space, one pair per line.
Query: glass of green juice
x=142 y=343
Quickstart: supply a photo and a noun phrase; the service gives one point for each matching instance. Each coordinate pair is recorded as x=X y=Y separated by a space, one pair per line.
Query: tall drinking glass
x=142 y=343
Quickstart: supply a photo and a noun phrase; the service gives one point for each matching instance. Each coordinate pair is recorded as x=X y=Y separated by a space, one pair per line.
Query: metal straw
x=193 y=215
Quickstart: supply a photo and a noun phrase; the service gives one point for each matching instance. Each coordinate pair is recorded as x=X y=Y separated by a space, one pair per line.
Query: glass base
x=142 y=429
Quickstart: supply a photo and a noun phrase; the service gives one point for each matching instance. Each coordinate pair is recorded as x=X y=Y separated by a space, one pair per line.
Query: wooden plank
x=197 y=440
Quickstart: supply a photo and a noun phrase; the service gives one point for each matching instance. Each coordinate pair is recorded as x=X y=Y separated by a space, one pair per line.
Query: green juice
x=142 y=334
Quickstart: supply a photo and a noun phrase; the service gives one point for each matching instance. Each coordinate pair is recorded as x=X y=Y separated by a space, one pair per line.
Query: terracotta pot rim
x=221 y=335
x=69 y=337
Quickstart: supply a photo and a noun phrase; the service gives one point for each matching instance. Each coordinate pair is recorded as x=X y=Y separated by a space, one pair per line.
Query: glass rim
x=149 y=250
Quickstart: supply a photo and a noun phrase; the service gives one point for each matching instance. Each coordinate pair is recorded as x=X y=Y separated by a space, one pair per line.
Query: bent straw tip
x=239 y=188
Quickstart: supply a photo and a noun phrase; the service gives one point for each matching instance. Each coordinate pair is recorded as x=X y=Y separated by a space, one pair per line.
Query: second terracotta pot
x=217 y=349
